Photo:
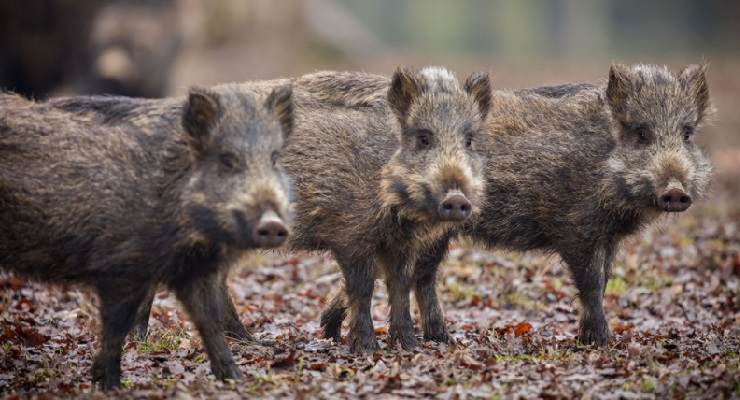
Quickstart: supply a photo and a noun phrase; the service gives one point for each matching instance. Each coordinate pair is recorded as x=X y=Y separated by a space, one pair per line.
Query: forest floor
x=673 y=306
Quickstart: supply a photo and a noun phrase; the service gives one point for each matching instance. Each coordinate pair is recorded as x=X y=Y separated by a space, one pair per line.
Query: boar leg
x=117 y=312
x=233 y=326
x=398 y=280
x=141 y=321
x=205 y=309
x=333 y=316
x=359 y=281
x=425 y=290
x=230 y=318
x=590 y=275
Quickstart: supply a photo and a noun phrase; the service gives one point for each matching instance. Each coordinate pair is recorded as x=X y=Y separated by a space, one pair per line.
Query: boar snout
x=675 y=200
x=270 y=231
x=455 y=207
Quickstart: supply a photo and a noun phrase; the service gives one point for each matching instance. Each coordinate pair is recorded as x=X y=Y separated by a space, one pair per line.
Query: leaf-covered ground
x=673 y=304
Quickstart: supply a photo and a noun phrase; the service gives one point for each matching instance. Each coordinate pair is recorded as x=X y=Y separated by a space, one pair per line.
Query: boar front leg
x=589 y=270
x=118 y=306
x=398 y=280
x=359 y=281
x=425 y=290
x=205 y=310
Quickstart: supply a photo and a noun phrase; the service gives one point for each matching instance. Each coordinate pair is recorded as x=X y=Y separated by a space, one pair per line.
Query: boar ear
x=280 y=101
x=405 y=87
x=618 y=88
x=201 y=114
x=478 y=85
x=694 y=78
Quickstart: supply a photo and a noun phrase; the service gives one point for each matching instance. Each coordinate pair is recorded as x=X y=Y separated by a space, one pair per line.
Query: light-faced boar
x=377 y=179
x=125 y=209
x=574 y=169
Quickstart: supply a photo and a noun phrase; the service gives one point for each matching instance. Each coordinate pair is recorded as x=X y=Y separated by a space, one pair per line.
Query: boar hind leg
x=230 y=318
x=589 y=272
x=359 y=279
x=425 y=279
x=141 y=321
x=333 y=316
x=205 y=310
x=398 y=281
x=233 y=326
x=118 y=309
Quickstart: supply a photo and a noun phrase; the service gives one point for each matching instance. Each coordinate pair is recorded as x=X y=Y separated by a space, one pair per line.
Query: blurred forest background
x=673 y=302
x=161 y=47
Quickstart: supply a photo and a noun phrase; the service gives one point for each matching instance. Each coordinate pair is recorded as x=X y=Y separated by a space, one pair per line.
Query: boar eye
x=642 y=132
x=228 y=160
x=274 y=157
x=688 y=132
x=468 y=133
x=423 y=138
x=468 y=138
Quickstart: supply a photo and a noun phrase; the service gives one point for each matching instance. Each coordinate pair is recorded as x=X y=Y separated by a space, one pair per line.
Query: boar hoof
x=240 y=333
x=331 y=321
x=332 y=327
x=440 y=336
x=107 y=373
x=333 y=334
x=592 y=332
x=227 y=371
x=407 y=340
x=140 y=332
x=363 y=344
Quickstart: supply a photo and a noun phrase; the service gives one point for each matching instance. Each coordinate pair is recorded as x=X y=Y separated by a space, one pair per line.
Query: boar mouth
x=205 y=221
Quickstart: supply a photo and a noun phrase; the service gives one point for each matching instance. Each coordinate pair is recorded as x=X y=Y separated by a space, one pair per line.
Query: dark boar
x=377 y=181
x=150 y=117
x=574 y=169
x=125 y=209
x=133 y=47
x=89 y=46
x=40 y=47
